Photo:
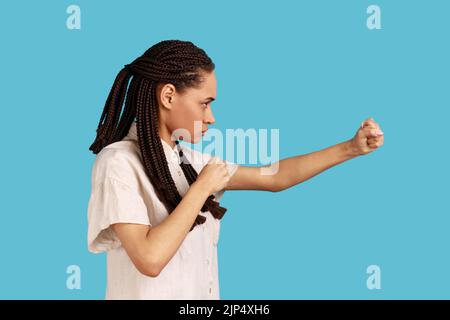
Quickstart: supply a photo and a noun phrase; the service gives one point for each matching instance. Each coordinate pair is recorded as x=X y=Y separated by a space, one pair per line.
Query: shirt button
x=210 y=290
x=179 y=173
x=207 y=261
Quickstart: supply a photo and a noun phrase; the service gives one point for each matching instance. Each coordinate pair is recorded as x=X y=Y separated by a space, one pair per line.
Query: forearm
x=164 y=239
x=294 y=170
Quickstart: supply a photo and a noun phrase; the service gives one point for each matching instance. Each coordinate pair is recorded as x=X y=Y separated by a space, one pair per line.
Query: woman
x=154 y=203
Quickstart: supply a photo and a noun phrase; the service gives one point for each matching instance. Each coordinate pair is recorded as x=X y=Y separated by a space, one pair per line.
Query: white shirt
x=122 y=192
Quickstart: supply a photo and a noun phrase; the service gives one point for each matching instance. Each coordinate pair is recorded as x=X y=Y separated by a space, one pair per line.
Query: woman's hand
x=214 y=175
x=368 y=138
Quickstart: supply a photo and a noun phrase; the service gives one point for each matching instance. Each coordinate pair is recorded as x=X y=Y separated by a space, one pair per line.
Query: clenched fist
x=214 y=175
x=368 y=138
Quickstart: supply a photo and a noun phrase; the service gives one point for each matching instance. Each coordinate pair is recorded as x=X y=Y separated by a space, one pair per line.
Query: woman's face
x=186 y=115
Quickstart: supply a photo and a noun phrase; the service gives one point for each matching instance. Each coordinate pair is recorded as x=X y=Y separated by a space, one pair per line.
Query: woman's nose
x=209 y=117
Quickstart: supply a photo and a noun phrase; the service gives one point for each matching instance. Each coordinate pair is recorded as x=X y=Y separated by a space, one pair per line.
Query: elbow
x=277 y=183
x=149 y=267
x=151 y=272
x=274 y=187
x=278 y=188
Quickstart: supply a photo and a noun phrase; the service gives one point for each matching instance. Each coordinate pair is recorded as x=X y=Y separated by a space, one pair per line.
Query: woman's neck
x=166 y=136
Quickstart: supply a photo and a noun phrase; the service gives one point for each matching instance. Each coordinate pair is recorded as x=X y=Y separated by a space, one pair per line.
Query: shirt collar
x=172 y=154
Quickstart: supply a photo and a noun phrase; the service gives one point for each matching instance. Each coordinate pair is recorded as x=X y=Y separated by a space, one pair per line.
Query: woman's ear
x=166 y=95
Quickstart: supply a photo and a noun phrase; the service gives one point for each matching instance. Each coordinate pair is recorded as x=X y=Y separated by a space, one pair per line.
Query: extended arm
x=294 y=170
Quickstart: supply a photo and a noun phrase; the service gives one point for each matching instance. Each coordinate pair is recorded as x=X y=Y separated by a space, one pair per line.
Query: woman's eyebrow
x=210 y=99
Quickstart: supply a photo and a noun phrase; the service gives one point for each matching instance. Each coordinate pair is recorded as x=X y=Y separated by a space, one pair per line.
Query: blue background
x=312 y=69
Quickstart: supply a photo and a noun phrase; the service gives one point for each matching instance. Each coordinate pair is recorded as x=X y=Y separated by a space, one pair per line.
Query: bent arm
x=151 y=248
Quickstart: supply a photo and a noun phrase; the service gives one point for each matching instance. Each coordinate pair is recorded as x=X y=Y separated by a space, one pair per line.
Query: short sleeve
x=112 y=201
